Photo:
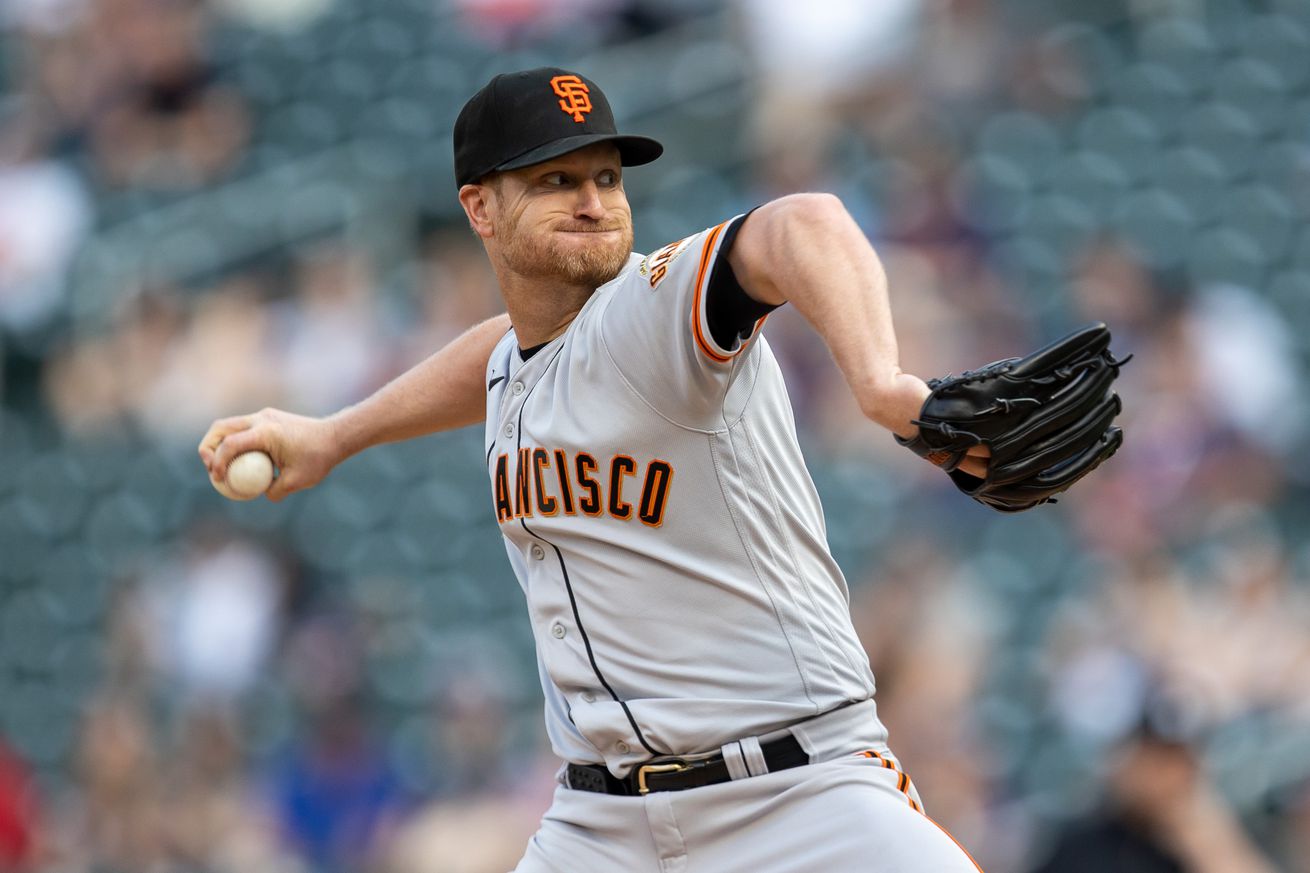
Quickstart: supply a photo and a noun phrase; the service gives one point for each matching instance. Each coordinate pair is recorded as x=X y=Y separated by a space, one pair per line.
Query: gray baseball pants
x=854 y=811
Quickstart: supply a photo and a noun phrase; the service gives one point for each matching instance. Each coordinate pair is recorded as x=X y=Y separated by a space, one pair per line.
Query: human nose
x=589 y=204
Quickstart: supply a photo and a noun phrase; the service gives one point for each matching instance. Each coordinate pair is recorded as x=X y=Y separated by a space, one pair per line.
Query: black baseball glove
x=1047 y=419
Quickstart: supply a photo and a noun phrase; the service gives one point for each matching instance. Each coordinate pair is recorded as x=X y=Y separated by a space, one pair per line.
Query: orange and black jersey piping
x=731 y=313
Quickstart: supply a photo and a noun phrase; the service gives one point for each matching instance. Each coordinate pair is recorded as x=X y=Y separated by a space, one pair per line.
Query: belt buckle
x=644 y=769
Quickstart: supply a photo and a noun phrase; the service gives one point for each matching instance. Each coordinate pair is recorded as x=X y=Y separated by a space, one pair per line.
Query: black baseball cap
x=524 y=118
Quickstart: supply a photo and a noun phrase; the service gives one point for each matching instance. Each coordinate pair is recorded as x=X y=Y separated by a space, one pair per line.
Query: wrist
x=343 y=435
x=895 y=402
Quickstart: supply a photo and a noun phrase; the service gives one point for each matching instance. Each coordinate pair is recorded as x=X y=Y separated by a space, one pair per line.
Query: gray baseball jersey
x=659 y=516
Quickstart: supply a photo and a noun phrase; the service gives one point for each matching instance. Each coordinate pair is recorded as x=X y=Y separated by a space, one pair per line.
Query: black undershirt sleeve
x=730 y=311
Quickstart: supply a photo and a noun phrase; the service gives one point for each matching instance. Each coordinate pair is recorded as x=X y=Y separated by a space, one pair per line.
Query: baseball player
x=703 y=681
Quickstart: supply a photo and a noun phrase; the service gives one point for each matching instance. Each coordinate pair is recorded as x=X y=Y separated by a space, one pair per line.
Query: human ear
x=476 y=200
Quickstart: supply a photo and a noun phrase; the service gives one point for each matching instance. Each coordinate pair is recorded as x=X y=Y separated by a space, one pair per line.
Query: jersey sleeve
x=680 y=328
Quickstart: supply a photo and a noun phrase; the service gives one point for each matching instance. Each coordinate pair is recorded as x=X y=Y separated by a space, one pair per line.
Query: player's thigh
x=841 y=816
x=583 y=832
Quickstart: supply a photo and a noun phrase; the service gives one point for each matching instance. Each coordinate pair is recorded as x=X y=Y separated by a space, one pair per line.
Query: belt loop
x=754 y=755
x=735 y=759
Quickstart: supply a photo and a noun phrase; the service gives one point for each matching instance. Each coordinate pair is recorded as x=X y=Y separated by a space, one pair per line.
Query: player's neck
x=541 y=310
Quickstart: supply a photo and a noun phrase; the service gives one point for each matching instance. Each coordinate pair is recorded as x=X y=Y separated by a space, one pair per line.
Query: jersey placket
x=564 y=646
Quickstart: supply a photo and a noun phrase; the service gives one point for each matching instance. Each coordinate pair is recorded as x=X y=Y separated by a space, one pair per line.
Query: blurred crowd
x=1117 y=684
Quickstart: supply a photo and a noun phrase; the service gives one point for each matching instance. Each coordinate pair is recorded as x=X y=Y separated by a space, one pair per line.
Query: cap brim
x=633 y=150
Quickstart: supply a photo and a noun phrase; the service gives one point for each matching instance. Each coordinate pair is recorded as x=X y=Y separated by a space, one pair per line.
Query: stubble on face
x=552 y=256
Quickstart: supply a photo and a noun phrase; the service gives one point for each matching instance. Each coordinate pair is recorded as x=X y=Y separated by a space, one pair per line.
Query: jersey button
x=623 y=747
x=558 y=631
x=517 y=388
x=509 y=429
x=538 y=552
x=588 y=697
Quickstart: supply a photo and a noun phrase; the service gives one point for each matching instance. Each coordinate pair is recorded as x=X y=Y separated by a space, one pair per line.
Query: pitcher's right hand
x=303 y=449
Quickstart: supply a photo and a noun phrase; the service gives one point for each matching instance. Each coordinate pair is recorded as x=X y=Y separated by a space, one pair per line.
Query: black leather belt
x=678 y=774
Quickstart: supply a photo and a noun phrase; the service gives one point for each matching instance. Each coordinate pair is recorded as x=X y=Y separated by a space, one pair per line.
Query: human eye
x=555 y=180
x=608 y=178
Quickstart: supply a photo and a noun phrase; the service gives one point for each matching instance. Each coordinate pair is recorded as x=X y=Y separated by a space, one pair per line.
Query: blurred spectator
x=809 y=56
x=508 y=24
x=334 y=793
x=149 y=327
x=961 y=54
x=929 y=633
x=213 y=615
x=491 y=792
x=170 y=124
x=335 y=307
x=143 y=804
x=1112 y=283
x=144 y=369
x=456 y=290
x=812 y=62
x=1160 y=815
x=1236 y=335
x=115 y=819
x=228 y=346
x=1193 y=445
x=1296 y=837
x=473 y=752
x=215 y=823
x=70 y=69
x=1229 y=634
x=275 y=15
x=40 y=16
x=477 y=834
x=245 y=349
x=81 y=386
x=44 y=213
x=18 y=817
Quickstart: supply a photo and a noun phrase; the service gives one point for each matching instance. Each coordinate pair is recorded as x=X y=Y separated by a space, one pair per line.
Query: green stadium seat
x=1257 y=88
x=1290 y=292
x=1227 y=132
x=1268 y=216
x=40 y=721
x=1095 y=54
x=1184 y=45
x=1125 y=136
x=1062 y=221
x=387 y=554
x=1281 y=42
x=1034 y=262
x=120 y=529
x=51 y=495
x=1093 y=180
x=1158 y=224
x=1028 y=140
x=77 y=581
x=1153 y=89
x=1228 y=255
x=1000 y=191
x=1195 y=178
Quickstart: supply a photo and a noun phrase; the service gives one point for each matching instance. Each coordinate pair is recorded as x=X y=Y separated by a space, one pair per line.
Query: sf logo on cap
x=575 y=96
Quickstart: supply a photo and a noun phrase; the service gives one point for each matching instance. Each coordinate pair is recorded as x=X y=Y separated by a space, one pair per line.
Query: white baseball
x=248 y=476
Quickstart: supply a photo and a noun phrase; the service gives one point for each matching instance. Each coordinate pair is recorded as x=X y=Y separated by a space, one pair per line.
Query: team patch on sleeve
x=655 y=267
